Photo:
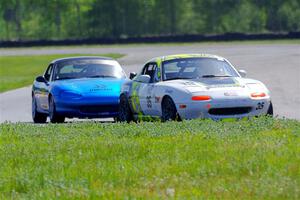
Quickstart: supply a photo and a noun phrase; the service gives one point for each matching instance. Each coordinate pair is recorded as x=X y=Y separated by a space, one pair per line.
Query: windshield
x=88 y=68
x=192 y=68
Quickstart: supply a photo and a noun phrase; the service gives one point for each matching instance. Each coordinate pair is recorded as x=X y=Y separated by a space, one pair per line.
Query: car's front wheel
x=169 y=111
x=53 y=115
x=37 y=117
x=125 y=114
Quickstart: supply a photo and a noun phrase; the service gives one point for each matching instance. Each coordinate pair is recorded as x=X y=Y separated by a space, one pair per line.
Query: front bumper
x=88 y=107
x=224 y=108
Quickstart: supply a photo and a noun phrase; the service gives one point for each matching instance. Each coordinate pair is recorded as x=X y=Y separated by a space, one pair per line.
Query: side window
x=151 y=70
x=48 y=72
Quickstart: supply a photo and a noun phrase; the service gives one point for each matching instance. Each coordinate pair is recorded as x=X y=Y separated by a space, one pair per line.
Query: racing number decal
x=260 y=105
x=149 y=103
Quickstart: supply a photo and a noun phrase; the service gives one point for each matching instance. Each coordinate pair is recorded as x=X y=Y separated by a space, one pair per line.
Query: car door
x=44 y=88
x=147 y=90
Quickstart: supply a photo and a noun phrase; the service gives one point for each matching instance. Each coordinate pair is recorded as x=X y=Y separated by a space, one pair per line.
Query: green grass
x=252 y=159
x=20 y=71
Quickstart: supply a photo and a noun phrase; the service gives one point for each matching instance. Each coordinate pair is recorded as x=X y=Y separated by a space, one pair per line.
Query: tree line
x=81 y=19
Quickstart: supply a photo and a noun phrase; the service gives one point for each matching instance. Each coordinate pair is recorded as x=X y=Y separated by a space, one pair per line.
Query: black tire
x=169 y=111
x=270 y=110
x=37 y=117
x=125 y=114
x=53 y=115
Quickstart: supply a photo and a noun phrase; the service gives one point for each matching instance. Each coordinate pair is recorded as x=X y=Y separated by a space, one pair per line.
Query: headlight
x=201 y=98
x=70 y=95
x=258 y=94
x=257 y=90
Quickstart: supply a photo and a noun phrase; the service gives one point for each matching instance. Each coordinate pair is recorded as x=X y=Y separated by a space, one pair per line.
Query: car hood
x=204 y=84
x=90 y=85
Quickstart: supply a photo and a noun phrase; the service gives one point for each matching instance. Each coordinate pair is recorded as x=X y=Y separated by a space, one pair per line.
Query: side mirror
x=40 y=79
x=143 y=78
x=132 y=75
x=243 y=73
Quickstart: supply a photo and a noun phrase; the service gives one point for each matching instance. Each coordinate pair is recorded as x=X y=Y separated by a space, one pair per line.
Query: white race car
x=189 y=86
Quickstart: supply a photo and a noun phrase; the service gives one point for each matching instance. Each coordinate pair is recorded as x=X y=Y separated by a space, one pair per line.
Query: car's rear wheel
x=270 y=110
x=125 y=114
x=169 y=111
x=53 y=115
x=37 y=117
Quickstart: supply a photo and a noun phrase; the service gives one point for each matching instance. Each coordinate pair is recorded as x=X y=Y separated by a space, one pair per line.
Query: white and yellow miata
x=189 y=86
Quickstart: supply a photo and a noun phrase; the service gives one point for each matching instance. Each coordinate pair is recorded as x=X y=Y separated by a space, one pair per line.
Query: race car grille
x=99 y=109
x=229 y=111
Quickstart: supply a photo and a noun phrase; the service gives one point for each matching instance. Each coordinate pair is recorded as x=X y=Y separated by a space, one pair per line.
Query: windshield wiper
x=101 y=76
x=63 y=78
x=175 y=78
x=212 y=76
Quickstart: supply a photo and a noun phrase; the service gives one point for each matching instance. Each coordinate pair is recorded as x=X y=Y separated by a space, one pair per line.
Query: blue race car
x=81 y=87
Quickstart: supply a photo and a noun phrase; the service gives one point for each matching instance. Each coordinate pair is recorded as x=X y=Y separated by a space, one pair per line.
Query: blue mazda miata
x=80 y=87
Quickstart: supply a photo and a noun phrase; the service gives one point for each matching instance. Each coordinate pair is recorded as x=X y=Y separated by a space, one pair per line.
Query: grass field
x=252 y=159
x=20 y=71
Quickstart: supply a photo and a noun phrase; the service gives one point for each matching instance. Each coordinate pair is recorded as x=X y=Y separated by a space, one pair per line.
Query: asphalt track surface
x=277 y=65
